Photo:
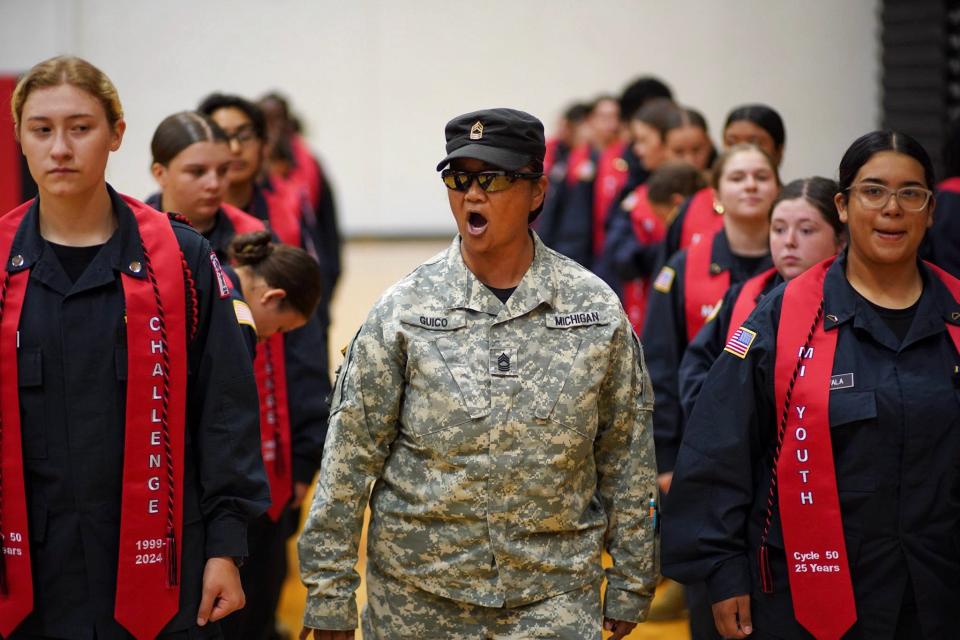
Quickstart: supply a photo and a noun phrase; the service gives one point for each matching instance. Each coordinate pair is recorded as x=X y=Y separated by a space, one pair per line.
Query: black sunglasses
x=490 y=181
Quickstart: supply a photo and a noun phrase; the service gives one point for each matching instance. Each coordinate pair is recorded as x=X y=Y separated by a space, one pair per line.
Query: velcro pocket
x=852 y=406
x=29 y=367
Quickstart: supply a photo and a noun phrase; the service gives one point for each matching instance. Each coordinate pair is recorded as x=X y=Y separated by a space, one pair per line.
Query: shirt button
x=17 y=261
x=135 y=266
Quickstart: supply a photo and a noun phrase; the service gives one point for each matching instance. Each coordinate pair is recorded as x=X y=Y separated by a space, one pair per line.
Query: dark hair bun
x=251 y=248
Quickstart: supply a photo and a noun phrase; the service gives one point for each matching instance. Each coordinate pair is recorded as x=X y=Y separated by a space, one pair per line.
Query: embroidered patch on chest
x=504 y=362
x=841 y=381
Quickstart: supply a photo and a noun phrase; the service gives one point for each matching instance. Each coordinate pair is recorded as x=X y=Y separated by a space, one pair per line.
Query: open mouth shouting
x=476 y=223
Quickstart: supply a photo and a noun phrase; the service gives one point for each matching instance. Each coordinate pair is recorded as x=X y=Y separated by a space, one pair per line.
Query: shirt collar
x=125 y=248
x=464 y=291
x=936 y=307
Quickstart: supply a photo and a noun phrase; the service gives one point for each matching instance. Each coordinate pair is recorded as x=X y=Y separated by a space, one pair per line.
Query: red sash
x=611 y=178
x=648 y=229
x=950 y=184
x=11 y=161
x=701 y=221
x=703 y=286
x=747 y=300
x=550 y=156
x=305 y=173
x=284 y=209
x=270 y=370
x=151 y=521
x=817 y=564
x=577 y=162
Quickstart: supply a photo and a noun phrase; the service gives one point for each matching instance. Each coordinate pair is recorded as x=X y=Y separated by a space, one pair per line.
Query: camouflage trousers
x=396 y=610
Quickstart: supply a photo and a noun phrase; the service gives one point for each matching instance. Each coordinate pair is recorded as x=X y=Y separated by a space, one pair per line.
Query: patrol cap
x=506 y=138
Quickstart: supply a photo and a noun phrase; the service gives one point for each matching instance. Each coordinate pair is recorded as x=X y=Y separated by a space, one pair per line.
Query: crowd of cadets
x=683 y=231
x=689 y=235
x=159 y=314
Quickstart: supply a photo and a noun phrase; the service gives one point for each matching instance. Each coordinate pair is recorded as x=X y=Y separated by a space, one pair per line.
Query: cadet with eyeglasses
x=497 y=400
x=815 y=491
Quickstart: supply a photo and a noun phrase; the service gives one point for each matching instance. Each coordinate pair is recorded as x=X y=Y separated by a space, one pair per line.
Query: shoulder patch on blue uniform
x=740 y=341
x=219 y=275
x=587 y=171
x=664 y=281
x=243 y=313
x=715 y=311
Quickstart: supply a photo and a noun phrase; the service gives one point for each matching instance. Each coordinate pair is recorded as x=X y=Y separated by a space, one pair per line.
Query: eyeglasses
x=243 y=135
x=876 y=196
x=490 y=181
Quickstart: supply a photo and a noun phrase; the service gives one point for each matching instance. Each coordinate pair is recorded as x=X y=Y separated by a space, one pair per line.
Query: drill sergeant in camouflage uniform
x=497 y=400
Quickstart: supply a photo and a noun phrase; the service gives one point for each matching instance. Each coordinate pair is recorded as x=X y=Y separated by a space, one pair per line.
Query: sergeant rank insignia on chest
x=504 y=362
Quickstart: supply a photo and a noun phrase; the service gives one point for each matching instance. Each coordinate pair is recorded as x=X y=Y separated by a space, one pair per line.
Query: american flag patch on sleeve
x=664 y=280
x=740 y=341
x=243 y=313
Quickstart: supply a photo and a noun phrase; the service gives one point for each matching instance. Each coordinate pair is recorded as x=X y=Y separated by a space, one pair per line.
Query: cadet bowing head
x=649 y=128
x=280 y=283
x=805 y=227
x=670 y=185
x=885 y=196
x=246 y=129
x=746 y=181
x=191 y=158
x=495 y=182
x=67 y=117
x=757 y=124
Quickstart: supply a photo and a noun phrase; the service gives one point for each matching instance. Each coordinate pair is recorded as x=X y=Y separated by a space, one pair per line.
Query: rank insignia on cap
x=476 y=131
x=739 y=343
x=664 y=280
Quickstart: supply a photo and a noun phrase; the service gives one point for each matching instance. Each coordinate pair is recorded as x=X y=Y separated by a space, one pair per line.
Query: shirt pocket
x=855 y=438
x=568 y=388
x=32 y=402
x=447 y=383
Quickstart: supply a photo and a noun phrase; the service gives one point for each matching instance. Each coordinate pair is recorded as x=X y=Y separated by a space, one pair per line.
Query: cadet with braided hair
x=280 y=283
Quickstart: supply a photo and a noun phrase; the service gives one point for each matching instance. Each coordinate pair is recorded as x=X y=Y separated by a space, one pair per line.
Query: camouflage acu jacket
x=507 y=443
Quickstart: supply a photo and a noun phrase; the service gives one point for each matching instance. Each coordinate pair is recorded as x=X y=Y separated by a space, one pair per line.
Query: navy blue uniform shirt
x=665 y=339
x=708 y=344
x=895 y=430
x=72 y=378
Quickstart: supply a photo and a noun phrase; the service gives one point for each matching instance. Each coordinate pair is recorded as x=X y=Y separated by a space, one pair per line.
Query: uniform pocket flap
x=852 y=406
x=29 y=367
